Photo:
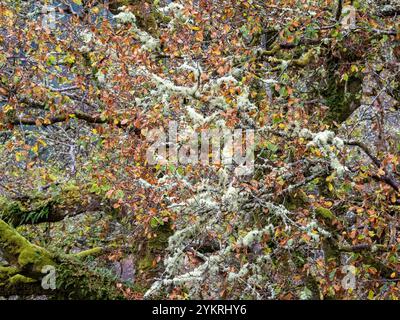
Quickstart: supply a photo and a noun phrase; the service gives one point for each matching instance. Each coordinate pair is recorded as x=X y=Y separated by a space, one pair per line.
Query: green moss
x=19 y=250
x=20 y=279
x=34 y=256
x=305 y=59
x=90 y=252
x=324 y=213
x=75 y=280
x=7 y=272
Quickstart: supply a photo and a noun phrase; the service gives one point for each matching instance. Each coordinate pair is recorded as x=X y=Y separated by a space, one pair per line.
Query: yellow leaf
x=370 y=295
x=8 y=13
x=18 y=156
x=329 y=178
x=46 y=121
x=144 y=132
x=30 y=164
x=328 y=204
x=360 y=210
x=8 y=108
x=35 y=148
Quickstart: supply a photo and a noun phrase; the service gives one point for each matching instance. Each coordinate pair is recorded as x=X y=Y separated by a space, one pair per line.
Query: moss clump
x=91 y=252
x=29 y=257
x=7 y=272
x=20 y=279
x=324 y=213
x=75 y=280
x=305 y=59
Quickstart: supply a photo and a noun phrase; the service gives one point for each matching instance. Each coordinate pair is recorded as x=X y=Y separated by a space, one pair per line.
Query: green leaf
x=51 y=60
x=180 y=171
x=370 y=295
x=119 y=194
x=272 y=147
x=69 y=59
x=155 y=222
